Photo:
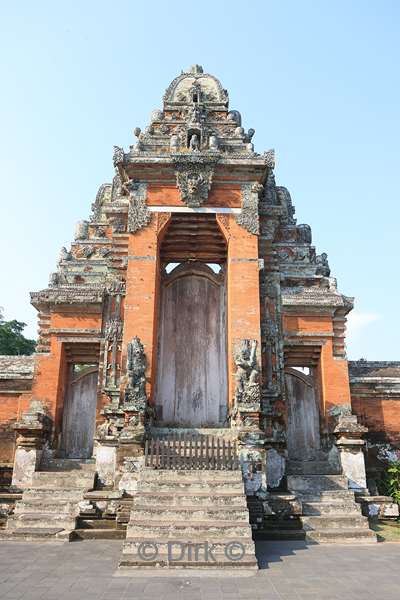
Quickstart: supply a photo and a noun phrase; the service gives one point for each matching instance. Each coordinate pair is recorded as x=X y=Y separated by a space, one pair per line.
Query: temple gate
x=195 y=302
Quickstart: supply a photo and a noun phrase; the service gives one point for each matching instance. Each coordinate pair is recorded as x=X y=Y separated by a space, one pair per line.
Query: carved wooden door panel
x=79 y=415
x=303 y=429
x=192 y=368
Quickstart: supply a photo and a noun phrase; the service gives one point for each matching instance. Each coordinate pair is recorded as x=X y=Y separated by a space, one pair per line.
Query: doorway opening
x=80 y=401
x=191 y=388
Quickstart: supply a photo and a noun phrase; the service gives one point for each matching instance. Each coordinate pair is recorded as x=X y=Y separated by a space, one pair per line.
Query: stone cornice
x=68 y=294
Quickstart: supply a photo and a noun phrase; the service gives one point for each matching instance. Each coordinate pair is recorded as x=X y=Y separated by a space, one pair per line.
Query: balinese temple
x=191 y=381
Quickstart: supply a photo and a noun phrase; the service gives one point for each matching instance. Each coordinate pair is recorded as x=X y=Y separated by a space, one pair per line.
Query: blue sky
x=319 y=82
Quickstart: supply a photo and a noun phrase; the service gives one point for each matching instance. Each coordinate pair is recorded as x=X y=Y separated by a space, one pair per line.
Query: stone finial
x=196 y=69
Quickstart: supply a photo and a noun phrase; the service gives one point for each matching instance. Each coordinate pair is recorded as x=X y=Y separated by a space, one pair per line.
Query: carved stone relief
x=249 y=218
x=194 y=175
x=135 y=393
x=138 y=215
x=247 y=389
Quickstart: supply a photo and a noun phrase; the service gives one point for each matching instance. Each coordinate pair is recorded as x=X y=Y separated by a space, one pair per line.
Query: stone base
x=378 y=507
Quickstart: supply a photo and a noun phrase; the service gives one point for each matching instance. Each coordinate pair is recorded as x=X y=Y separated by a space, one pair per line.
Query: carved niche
x=194 y=175
x=138 y=215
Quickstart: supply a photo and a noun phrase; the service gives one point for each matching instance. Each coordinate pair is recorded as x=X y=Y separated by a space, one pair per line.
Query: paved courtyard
x=292 y=570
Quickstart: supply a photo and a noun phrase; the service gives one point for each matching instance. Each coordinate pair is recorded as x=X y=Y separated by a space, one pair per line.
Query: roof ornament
x=196 y=69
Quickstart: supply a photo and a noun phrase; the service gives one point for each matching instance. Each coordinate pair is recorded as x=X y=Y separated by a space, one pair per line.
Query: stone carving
x=174 y=143
x=118 y=155
x=268 y=228
x=249 y=218
x=322 y=265
x=116 y=190
x=102 y=196
x=250 y=135
x=269 y=196
x=113 y=329
x=247 y=373
x=194 y=143
x=213 y=142
x=118 y=224
x=135 y=393
x=138 y=215
x=82 y=230
x=235 y=116
x=289 y=254
x=285 y=200
x=194 y=177
x=104 y=252
x=269 y=158
x=64 y=254
x=85 y=251
x=107 y=429
x=304 y=234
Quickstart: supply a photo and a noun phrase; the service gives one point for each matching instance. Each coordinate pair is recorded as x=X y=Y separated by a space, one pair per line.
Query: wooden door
x=303 y=428
x=192 y=368
x=79 y=414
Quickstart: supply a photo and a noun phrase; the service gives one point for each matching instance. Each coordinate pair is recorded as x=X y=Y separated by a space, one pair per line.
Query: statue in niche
x=322 y=265
x=247 y=373
x=135 y=393
x=194 y=143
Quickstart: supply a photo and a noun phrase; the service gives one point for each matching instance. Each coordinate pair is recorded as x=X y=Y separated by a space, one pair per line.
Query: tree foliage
x=12 y=340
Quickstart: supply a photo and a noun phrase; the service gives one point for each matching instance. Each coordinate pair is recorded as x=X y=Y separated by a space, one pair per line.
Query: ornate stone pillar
x=32 y=432
x=246 y=416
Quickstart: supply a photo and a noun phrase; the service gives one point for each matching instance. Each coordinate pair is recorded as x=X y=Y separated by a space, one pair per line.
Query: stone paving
x=292 y=570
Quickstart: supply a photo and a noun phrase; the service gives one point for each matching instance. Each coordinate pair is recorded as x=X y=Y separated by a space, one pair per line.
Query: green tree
x=12 y=341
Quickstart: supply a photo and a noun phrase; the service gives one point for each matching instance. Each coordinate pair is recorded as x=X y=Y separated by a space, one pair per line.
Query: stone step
x=68 y=464
x=311 y=484
x=223 y=499
x=278 y=535
x=334 y=521
x=66 y=480
x=136 y=545
x=46 y=505
x=56 y=495
x=41 y=520
x=29 y=534
x=190 y=476
x=342 y=536
x=84 y=523
x=99 y=534
x=190 y=486
x=330 y=507
x=188 y=529
x=190 y=513
x=247 y=564
x=327 y=495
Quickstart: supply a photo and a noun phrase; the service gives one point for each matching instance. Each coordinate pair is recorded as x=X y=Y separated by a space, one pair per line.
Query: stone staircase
x=49 y=508
x=189 y=519
x=330 y=512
